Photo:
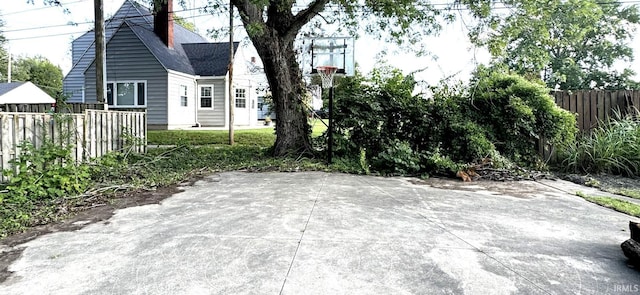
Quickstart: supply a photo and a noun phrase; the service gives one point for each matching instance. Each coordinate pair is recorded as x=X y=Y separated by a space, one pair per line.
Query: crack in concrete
x=304 y=230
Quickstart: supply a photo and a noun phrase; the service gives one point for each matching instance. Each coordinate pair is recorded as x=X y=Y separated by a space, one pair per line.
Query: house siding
x=80 y=45
x=215 y=117
x=129 y=59
x=180 y=116
x=82 y=55
x=83 y=52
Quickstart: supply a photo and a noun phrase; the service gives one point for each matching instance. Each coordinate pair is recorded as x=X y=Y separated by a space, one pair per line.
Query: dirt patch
x=517 y=189
x=100 y=209
x=5 y=260
x=605 y=182
x=612 y=182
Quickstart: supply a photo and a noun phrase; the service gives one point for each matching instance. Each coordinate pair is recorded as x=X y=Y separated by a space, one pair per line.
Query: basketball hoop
x=326 y=74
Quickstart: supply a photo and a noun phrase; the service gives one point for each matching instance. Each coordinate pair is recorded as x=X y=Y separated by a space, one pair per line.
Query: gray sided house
x=156 y=65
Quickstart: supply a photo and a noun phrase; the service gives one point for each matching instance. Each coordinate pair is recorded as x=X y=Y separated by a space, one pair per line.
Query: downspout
x=195 y=102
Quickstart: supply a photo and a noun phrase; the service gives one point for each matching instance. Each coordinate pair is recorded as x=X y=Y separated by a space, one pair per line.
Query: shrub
x=37 y=177
x=397 y=158
x=497 y=115
x=437 y=163
x=516 y=113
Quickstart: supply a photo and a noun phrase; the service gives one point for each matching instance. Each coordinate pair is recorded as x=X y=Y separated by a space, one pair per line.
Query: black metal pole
x=330 y=143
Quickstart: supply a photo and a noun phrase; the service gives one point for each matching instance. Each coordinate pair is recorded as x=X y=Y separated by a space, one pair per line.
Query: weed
x=631 y=193
x=38 y=176
x=612 y=147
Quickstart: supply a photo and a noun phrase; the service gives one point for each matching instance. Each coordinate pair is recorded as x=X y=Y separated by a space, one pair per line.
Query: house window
x=206 y=97
x=127 y=94
x=183 y=95
x=241 y=98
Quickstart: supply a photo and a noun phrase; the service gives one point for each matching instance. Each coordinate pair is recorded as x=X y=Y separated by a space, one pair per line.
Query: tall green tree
x=274 y=25
x=3 y=55
x=570 y=44
x=41 y=72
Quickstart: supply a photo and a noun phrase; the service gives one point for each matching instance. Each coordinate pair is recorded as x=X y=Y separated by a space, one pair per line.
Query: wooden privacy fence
x=91 y=134
x=75 y=108
x=593 y=106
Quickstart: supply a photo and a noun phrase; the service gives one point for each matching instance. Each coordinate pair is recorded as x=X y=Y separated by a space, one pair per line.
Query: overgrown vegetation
x=497 y=116
x=37 y=178
x=612 y=147
x=381 y=128
x=623 y=206
x=40 y=175
x=48 y=185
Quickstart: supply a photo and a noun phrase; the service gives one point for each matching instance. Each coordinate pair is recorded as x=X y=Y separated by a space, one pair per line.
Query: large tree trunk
x=287 y=88
x=273 y=28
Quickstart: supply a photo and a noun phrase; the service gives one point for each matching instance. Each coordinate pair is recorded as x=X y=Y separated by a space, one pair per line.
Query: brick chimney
x=163 y=22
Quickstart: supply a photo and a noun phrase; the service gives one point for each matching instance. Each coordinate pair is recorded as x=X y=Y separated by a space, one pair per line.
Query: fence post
x=5 y=138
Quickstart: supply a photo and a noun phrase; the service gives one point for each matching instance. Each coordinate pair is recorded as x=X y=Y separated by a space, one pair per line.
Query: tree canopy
x=273 y=26
x=41 y=72
x=3 y=55
x=570 y=44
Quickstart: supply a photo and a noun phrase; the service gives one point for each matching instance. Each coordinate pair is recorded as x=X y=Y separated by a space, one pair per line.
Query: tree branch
x=249 y=12
x=303 y=17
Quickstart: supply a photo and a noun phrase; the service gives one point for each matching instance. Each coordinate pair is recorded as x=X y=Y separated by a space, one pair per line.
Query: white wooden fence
x=91 y=134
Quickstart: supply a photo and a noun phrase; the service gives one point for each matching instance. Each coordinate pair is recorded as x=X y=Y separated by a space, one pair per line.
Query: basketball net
x=326 y=74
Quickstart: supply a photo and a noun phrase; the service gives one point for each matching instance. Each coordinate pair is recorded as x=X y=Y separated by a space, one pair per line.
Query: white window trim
x=235 y=101
x=213 y=104
x=115 y=96
x=184 y=94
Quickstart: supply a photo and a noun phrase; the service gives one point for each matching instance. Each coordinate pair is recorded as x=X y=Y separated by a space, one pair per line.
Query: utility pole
x=231 y=94
x=101 y=52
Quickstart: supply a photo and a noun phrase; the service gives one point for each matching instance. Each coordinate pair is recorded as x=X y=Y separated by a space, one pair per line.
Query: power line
x=84 y=31
x=40 y=8
x=451 y=4
x=328 y=8
x=47 y=27
x=46 y=36
x=90 y=22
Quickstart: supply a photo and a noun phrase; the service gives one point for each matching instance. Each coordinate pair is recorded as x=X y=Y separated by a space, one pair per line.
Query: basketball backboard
x=334 y=52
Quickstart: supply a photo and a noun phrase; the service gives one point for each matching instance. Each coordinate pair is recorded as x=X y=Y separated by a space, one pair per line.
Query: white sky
x=29 y=30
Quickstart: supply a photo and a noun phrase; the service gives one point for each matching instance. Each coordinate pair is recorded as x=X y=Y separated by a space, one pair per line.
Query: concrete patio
x=319 y=233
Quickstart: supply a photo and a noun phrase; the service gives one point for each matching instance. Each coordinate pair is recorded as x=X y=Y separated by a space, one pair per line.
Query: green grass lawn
x=263 y=137
x=317 y=126
x=612 y=203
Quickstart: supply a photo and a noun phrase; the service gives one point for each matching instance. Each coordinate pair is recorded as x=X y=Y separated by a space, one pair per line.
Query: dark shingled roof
x=191 y=54
x=172 y=59
x=6 y=87
x=209 y=59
